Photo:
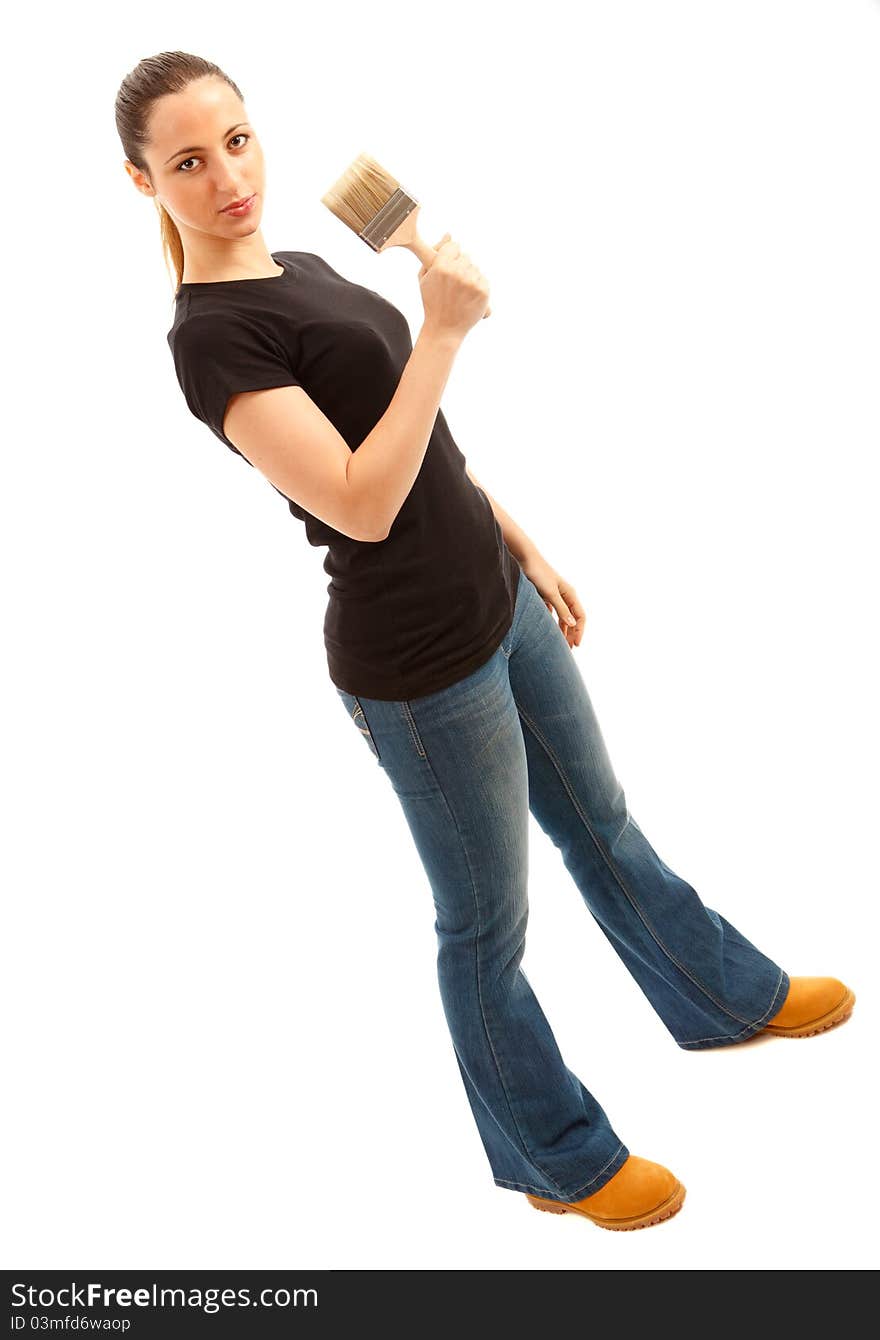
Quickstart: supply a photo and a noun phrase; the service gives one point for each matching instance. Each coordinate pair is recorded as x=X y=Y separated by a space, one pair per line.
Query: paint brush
x=373 y=204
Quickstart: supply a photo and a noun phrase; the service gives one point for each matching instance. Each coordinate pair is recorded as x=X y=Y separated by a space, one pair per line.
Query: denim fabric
x=467 y=764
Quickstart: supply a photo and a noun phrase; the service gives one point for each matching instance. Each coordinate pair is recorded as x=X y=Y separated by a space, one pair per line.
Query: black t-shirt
x=419 y=610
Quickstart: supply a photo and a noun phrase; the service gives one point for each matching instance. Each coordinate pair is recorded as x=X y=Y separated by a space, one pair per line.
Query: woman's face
x=204 y=155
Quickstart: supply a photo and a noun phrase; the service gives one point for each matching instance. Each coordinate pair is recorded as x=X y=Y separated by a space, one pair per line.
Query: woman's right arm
x=284 y=434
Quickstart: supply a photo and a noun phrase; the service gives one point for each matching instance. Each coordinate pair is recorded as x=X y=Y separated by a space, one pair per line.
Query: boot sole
x=665 y=1210
x=838 y=1015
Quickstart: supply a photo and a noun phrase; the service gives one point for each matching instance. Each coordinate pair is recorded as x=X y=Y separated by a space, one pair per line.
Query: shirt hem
x=401 y=690
x=409 y=688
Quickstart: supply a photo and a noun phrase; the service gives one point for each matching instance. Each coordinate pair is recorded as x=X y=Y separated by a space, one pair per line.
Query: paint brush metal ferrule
x=392 y=214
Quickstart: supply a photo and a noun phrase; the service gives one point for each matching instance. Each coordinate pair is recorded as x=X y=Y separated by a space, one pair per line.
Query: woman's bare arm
x=284 y=434
x=384 y=468
x=515 y=537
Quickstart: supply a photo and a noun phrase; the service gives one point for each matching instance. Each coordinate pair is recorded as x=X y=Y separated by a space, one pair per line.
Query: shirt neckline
x=253 y=279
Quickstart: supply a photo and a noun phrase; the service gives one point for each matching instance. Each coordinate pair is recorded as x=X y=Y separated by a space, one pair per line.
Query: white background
x=223 y=1031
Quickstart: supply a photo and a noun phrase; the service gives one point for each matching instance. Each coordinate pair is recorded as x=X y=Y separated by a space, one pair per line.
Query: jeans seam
x=611 y=866
x=504 y=1088
x=413 y=730
x=728 y=1037
x=508 y=649
x=572 y=1195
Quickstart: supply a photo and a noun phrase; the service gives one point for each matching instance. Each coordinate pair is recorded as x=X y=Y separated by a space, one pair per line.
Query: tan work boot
x=812 y=1005
x=639 y=1194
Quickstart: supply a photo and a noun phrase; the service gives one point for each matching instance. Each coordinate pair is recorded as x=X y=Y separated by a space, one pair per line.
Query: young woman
x=449 y=641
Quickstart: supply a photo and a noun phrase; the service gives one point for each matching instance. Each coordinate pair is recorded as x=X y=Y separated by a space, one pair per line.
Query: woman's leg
x=457 y=761
x=708 y=983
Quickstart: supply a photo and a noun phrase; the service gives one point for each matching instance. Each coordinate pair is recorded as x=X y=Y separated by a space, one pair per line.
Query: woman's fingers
x=437 y=245
x=570 y=612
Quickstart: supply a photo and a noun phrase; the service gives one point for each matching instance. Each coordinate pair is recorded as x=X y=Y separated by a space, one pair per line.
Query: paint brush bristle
x=369 y=200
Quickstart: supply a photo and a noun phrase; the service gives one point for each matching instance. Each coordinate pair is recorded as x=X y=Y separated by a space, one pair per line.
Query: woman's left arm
x=558 y=594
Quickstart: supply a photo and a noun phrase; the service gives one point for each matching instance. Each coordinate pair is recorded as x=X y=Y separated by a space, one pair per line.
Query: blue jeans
x=468 y=763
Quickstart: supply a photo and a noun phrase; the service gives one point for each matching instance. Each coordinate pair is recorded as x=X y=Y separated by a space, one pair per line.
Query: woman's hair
x=151 y=79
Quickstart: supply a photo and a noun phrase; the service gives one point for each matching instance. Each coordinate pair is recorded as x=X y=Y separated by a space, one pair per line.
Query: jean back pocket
x=356 y=713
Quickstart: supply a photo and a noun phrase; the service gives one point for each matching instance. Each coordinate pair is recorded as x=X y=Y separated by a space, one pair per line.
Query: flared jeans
x=468 y=763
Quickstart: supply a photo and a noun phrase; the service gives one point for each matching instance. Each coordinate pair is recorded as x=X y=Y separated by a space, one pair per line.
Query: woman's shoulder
x=202 y=323
x=217 y=330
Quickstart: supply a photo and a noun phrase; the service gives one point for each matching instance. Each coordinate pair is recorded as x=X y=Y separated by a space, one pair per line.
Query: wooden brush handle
x=427 y=255
x=407 y=236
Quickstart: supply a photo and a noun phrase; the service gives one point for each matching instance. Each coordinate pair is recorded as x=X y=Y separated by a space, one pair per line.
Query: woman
x=449 y=641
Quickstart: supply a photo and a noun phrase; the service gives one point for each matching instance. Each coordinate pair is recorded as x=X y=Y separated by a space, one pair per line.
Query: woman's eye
x=242 y=135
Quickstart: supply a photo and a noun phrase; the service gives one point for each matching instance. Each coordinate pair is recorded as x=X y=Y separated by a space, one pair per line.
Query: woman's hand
x=454 y=292
x=558 y=595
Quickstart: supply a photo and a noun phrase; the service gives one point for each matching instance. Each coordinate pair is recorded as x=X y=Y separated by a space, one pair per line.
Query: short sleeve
x=216 y=357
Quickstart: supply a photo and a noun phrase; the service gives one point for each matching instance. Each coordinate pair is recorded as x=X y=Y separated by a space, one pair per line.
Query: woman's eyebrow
x=197 y=148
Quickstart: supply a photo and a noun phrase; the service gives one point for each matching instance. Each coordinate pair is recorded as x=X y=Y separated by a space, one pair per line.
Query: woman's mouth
x=241 y=207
